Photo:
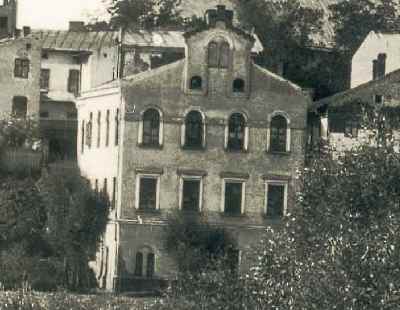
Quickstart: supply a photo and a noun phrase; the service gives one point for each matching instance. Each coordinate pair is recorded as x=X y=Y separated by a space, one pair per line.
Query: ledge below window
x=193 y=148
x=233 y=151
x=279 y=153
x=150 y=147
x=149 y=211
x=232 y=215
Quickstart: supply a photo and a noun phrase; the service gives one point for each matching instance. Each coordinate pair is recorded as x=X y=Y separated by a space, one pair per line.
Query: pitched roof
x=66 y=40
x=165 y=39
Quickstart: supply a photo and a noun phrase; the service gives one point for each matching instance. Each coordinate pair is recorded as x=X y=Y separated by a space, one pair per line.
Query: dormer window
x=196 y=83
x=218 y=54
x=238 y=86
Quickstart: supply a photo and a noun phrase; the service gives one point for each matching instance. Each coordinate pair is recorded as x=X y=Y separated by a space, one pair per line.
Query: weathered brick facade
x=168 y=90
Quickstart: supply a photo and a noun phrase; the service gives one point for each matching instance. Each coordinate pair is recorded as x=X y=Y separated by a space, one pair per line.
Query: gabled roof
x=370 y=88
x=165 y=39
x=66 y=40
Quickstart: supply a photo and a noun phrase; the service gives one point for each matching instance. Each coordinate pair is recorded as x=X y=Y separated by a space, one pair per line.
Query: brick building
x=212 y=133
x=8 y=18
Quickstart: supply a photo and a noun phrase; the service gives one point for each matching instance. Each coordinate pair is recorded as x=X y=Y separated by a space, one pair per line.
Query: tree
x=146 y=14
x=354 y=19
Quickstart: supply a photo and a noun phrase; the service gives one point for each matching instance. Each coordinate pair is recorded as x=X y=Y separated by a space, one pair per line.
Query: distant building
x=19 y=76
x=8 y=18
x=212 y=134
x=377 y=55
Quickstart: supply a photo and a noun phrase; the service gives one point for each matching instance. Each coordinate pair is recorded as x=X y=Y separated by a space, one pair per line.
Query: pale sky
x=55 y=14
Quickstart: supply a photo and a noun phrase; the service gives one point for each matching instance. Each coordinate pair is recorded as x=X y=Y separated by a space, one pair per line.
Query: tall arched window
x=278 y=134
x=145 y=263
x=236 y=132
x=151 y=128
x=218 y=54
x=194 y=129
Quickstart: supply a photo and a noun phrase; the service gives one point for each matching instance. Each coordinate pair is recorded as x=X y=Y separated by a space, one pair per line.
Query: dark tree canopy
x=354 y=19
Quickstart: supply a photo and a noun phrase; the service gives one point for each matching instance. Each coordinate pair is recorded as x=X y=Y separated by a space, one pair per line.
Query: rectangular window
x=98 y=128
x=148 y=193
x=89 y=128
x=20 y=106
x=3 y=24
x=233 y=198
x=276 y=199
x=73 y=81
x=114 y=192
x=96 y=185
x=378 y=99
x=117 y=127
x=191 y=195
x=83 y=136
x=21 y=68
x=105 y=187
x=108 y=127
x=44 y=78
x=150 y=265
x=44 y=114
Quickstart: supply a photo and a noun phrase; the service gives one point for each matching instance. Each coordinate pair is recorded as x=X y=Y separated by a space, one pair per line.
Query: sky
x=55 y=14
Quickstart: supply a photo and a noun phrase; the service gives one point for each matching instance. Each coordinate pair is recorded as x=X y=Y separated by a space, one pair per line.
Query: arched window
x=218 y=54
x=278 y=135
x=145 y=263
x=236 y=132
x=194 y=129
x=20 y=106
x=213 y=54
x=151 y=127
x=196 y=82
x=238 y=86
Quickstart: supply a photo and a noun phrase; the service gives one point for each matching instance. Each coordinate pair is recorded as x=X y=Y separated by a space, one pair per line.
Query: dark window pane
x=21 y=68
x=237 y=126
x=151 y=127
x=194 y=129
x=139 y=264
x=275 y=202
x=238 y=86
x=20 y=106
x=44 y=78
x=381 y=70
x=150 y=265
x=224 y=55
x=196 y=82
x=148 y=194
x=233 y=198
x=116 y=134
x=191 y=195
x=278 y=134
x=73 y=82
x=213 y=54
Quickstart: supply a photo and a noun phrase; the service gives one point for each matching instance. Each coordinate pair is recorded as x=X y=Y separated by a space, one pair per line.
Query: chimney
x=26 y=30
x=76 y=26
x=221 y=14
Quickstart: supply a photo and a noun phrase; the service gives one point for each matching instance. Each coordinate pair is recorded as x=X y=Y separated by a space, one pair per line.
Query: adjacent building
x=8 y=18
x=211 y=134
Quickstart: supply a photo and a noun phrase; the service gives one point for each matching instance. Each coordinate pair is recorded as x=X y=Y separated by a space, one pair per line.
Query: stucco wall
x=11 y=86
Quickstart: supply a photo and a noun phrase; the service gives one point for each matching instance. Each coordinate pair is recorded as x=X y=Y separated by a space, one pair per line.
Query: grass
x=28 y=300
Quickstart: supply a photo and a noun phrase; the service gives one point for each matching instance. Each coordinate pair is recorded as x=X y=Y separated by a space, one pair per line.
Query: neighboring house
x=8 y=18
x=377 y=55
x=72 y=61
x=343 y=113
x=20 y=74
x=212 y=133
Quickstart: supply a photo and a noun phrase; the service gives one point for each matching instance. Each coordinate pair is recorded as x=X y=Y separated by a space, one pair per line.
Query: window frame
x=199 y=79
x=21 y=68
x=153 y=176
x=71 y=86
x=288 y=133
x=160 y=129
x=183 y=132
x=245 y=137
x=47 y=86
x=182 y=179
x=15 y=106
x=273 y=182
x=143 y=273
x=243 y=194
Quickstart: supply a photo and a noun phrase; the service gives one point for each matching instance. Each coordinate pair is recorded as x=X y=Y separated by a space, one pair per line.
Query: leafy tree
x=144 y=13
x=354 y=19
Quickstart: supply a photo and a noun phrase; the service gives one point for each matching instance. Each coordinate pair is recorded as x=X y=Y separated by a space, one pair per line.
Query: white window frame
x=288 y=130
x=246 y=132
x=190 y=178
x=153 y=176
x=161 y=128
x=285 y=194
x=183 y=129
x=233 y=180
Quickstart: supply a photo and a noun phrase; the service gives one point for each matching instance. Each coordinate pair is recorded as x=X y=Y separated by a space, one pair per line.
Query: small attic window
x=238 y=86
x=196 y=82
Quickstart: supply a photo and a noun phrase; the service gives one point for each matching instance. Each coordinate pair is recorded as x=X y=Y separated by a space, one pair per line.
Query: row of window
x=193 y=131
x=105 y=189
x=73 y=80
x=87 y=130
x=191 y=195
x=196 y=83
